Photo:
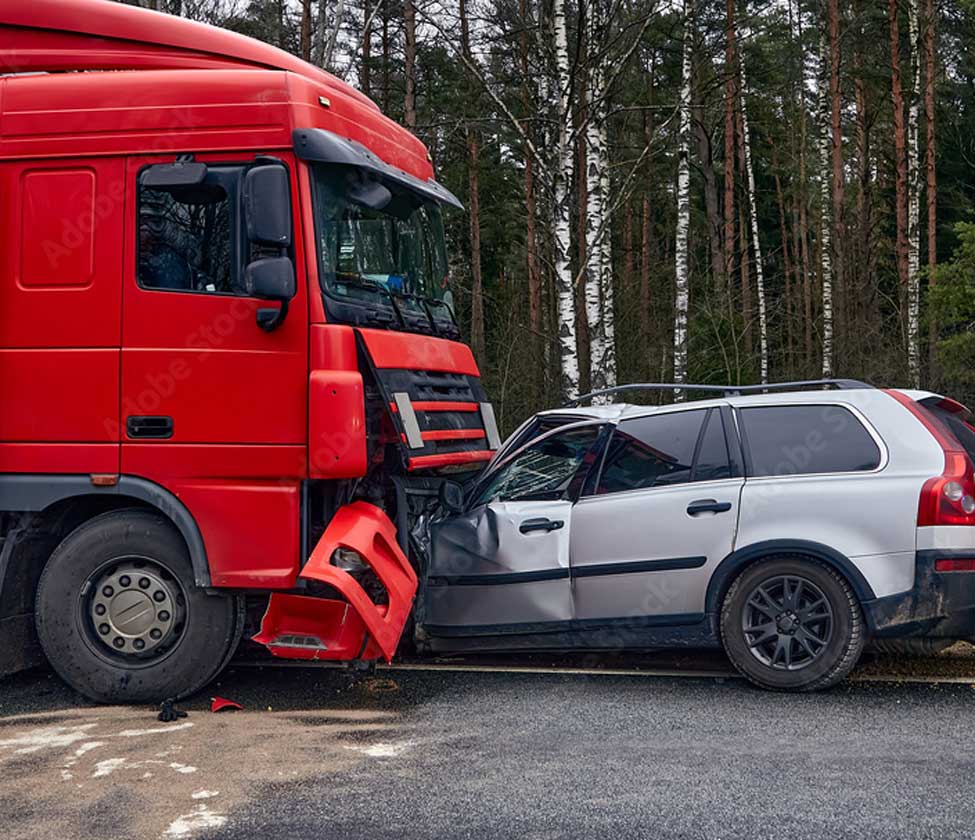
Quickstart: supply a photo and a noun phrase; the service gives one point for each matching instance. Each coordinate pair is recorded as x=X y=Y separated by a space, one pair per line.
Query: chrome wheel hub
x=133 y=609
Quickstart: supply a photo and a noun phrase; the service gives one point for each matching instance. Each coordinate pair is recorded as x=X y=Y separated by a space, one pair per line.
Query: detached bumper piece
x=302 y=627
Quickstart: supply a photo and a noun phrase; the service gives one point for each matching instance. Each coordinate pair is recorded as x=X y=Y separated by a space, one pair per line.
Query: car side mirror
x=271 y=278
x=451 y=497
x=267 y=205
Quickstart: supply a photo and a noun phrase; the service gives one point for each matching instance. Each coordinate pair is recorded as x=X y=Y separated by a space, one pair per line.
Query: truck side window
x=188 y=236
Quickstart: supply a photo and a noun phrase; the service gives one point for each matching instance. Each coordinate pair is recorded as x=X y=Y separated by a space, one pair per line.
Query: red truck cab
x=227 y=351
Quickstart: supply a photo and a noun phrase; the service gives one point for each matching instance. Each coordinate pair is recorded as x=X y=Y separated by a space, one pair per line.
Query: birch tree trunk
x=753 y=214
x=914 y=203
x=931 y=193
x=561 y=214
x=681 y=240
x=321 y=20
x=598 y=270
x=825 y=207
x=900 y=159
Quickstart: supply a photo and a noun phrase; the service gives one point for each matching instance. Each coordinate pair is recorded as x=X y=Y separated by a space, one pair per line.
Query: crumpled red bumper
x=302 y=627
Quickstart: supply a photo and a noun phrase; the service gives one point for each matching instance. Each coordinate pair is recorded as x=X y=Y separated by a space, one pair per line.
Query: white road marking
x=111 y=765
x=383 y=750
x=138 y=733
x=48 y=737
x=201 y=817
x=206 y=794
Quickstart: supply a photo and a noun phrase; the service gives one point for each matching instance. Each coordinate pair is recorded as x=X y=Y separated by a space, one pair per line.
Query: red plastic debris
x=221 y=704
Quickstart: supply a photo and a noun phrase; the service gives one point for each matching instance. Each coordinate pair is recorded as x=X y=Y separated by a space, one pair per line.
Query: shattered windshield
x=383 y=266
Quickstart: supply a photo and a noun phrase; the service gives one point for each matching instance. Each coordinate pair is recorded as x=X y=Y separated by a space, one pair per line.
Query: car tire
x=911 y=647
x=792 y=624
x=119 y=615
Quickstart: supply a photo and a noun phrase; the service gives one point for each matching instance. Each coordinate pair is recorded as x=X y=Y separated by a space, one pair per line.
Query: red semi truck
x=230 y=369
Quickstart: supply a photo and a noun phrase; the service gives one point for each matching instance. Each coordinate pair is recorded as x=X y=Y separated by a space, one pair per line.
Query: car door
x=661 y=515
x=503 y=565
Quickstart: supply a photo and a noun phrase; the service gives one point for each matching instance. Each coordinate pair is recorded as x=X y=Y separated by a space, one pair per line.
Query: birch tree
x=913 y=202
x=681 y=244
x=559 y=86
x=598 y=271
x=753 y=216
x=825 y=215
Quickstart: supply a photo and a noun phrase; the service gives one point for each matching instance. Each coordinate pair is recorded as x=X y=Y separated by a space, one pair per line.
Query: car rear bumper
x=940 y=605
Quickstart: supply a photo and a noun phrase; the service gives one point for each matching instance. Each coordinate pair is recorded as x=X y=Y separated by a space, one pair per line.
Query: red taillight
x=947 y=499
x=955 y=564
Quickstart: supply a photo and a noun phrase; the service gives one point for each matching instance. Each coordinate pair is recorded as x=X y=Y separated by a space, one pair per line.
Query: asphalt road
x=419 y=754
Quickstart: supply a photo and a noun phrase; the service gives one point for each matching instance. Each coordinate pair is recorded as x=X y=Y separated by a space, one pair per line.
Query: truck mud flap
x=302 y=627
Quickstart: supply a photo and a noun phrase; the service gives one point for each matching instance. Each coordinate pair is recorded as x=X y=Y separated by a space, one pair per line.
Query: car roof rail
x=724 y=390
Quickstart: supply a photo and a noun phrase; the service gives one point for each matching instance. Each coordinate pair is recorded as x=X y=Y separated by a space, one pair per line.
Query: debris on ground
x=221 y=704
x=168 y=711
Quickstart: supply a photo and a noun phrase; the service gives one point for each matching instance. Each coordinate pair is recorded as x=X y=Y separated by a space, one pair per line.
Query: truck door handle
x=157 y=428
x=530 y=525
x=707 y=506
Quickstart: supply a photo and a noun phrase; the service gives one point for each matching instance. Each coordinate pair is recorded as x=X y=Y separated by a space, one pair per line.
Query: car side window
x=653 y=451
x=189 y=236
x=806 y=440
x=544 y=470
x=712 y=462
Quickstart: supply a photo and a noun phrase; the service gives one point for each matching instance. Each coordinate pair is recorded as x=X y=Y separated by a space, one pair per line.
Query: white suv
x=788 y=525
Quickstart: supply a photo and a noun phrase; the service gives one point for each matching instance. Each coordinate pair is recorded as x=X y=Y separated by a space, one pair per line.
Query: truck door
x=213 y=403
x=661 y=516
x=503 y=566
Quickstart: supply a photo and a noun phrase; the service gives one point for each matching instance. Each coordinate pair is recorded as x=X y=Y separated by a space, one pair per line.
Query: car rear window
x=806 y=440
x=956 y=423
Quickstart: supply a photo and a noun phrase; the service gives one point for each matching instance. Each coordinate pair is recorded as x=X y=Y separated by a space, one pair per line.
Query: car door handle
x=530 y=525
x=707 y=506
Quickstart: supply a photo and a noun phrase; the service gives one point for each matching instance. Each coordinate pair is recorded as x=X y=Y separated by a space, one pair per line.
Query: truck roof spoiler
x=59 y=35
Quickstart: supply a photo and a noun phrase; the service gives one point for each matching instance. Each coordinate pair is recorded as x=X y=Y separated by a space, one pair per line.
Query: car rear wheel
x=792 y=624
x=119 y=615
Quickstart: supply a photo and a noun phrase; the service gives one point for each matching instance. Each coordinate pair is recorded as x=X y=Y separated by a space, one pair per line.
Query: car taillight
x=947 y=499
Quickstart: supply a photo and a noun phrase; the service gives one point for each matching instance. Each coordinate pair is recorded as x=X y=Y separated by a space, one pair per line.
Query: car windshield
x=384 y=266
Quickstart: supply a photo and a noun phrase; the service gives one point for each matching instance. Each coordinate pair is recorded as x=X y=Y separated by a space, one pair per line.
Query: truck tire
x=120 y=618
x=792 y=624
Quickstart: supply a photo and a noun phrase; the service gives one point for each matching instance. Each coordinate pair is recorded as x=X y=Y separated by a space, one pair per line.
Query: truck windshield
x=383 y=267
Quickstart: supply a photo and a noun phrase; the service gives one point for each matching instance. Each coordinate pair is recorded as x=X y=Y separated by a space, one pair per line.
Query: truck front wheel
x=120 y=618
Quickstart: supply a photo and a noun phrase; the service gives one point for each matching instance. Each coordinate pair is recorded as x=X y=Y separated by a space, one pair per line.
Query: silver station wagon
x=789 y=524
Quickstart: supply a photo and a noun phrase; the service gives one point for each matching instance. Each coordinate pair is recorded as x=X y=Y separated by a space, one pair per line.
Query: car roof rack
x=725 y=390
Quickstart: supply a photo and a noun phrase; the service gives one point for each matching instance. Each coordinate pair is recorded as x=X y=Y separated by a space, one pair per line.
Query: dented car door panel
x=502 y=563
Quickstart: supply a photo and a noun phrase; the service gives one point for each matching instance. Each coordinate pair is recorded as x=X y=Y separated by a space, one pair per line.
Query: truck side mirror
x=267 y=205
x=271 y=278
x=451 y=497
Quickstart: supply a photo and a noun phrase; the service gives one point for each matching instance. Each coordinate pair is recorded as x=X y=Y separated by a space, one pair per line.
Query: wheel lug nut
x=119 y=642
x=125 y=580
x=138 y=644
x=108 y=591
x=164 y=615
x=104 y=629
x=155 y=634
x=143 y=583
x=99 y=609
x=159 y=596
